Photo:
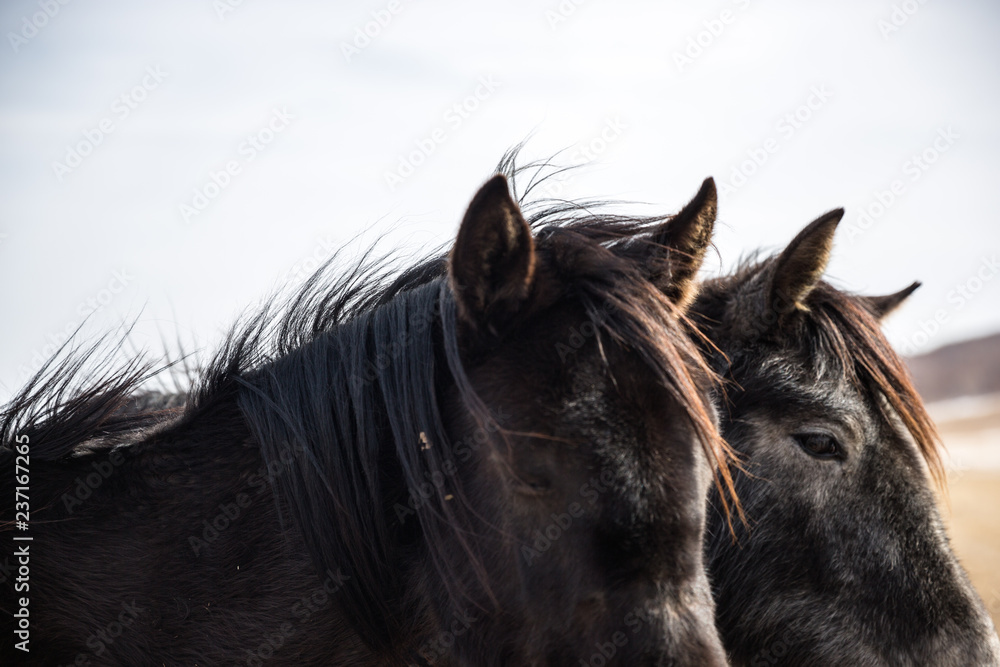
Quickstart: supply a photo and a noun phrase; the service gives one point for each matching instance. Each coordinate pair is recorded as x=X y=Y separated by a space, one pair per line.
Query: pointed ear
x=687 y=236
x=800 y=266
x=881 y=306
x=492 y=265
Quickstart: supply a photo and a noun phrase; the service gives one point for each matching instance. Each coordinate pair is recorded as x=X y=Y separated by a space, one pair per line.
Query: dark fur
x=319 y=423
x=845 y=561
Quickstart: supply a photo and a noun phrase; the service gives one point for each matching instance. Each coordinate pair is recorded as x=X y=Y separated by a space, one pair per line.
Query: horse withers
x=844 y=560
x=502 y=464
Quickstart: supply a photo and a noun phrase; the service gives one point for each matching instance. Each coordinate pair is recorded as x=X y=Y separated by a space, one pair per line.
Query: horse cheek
x=632 y=623
x=590 y=493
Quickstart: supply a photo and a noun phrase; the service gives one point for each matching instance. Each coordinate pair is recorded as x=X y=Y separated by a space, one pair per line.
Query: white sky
x=608 y=67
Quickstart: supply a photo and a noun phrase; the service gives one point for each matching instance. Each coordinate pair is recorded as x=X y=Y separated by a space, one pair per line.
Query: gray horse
x=844 y=559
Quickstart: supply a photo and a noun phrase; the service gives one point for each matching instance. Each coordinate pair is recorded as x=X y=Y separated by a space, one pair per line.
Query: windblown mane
x=855 y=337
x=79 y=395
x=838 y=326
x=341 y=371
x=349 y=374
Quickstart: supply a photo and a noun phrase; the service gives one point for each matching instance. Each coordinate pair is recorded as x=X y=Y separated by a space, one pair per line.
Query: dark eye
x=533 y=484
x=820 y=445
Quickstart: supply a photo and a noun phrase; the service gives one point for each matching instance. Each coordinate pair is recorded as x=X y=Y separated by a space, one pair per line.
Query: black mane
x=839 y=329
x=353 y=363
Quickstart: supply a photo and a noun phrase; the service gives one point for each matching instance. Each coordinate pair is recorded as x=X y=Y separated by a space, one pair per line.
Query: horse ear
x=881 y=306
x=800 y=266
x=687 y=236
x=492 y=265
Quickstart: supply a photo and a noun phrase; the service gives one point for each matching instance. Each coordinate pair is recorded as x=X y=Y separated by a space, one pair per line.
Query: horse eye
x=534 y=484
x=819 y=445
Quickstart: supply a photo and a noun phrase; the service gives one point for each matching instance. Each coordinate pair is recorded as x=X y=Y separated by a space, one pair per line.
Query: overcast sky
x=179 y=161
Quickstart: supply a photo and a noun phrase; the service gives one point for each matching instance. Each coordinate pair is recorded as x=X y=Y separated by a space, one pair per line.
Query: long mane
x=349 y=373
x=838 y=327
x=854 y=336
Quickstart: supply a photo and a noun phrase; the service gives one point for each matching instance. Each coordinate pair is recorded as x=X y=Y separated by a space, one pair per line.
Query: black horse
x=845 y=560
x=498 y=459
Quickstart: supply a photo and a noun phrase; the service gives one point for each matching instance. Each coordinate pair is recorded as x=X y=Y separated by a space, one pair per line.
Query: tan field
x=975 y=531
x=970 y=430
